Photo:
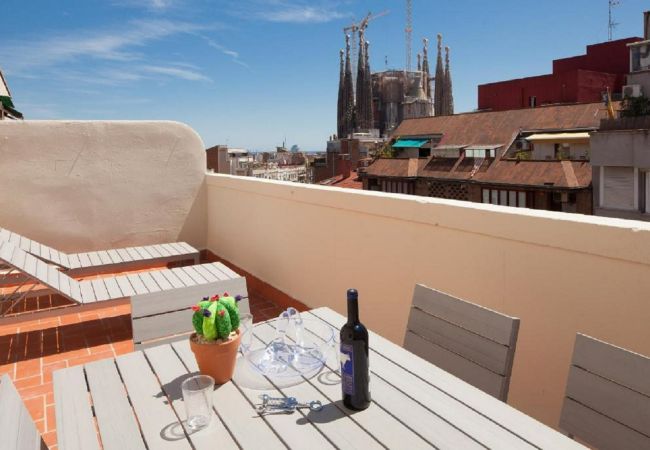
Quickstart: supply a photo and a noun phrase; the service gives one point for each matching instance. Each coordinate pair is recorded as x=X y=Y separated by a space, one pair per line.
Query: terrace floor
x=31 y=350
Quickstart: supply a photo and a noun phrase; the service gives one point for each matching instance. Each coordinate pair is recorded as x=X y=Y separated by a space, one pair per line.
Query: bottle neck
x=353 y=311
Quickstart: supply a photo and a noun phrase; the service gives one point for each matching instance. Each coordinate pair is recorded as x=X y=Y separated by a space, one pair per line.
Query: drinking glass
x=246 y=331
x=197 y=396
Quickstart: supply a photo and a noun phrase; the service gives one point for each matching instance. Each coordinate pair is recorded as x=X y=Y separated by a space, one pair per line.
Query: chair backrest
x=34 y=247
x=17 y=429
x=469 y=341
x=607 y=400
x=39 y=271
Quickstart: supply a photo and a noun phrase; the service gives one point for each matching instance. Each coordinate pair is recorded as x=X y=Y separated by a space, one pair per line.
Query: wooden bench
x=17 y=429
x=607 y=400
x=472 y=342
x=165 y=310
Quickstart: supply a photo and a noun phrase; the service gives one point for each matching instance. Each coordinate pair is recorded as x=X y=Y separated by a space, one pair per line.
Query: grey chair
x=607 y=400
x=17 y=429
x=469 y=341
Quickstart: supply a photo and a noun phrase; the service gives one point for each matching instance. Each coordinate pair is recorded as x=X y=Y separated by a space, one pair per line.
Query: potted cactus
x=215 y=341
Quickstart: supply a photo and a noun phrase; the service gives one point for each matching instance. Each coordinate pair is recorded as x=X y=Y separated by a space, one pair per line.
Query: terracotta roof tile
x=500 y=127
x=565 y=174
x=396 y=167
x=351 y=182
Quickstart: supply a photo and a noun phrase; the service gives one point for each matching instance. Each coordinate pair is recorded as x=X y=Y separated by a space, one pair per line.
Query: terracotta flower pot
x=216 y=359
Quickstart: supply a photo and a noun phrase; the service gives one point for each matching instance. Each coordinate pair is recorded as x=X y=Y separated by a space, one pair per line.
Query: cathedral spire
x=348 y=93
x=439 y=83
x=368 y=120
x=419 y=62
x=340 y=106
x=426 y=74
x=364 y=86
x=448 y=93
x=361 y=81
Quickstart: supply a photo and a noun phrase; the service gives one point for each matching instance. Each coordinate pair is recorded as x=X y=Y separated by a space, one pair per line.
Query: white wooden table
x=137 y=403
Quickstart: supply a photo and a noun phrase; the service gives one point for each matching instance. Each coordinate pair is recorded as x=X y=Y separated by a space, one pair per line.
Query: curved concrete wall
x=560 y=273
x=80 y=186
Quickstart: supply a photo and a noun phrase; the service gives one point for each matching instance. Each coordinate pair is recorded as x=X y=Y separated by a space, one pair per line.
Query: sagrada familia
x=382 y=100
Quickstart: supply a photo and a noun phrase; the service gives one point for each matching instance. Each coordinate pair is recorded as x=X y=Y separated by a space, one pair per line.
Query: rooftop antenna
x=612 y=24
x=409 y=32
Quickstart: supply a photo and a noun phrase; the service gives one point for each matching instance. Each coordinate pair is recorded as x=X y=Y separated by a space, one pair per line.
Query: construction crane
x=353 y=30
x=612 y=24
x=409 y=33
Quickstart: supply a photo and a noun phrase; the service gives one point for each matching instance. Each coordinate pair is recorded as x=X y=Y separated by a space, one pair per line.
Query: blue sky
x=249 y=72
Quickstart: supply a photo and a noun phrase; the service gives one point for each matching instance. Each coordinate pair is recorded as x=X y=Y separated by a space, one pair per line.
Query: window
x=504 y=197
x=521 y=200
x=618 y=188
x=512 y=198
x=480 y=153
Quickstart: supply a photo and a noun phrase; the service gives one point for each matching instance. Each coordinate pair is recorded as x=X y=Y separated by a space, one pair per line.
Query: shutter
x=512 y=198
x=647 y=191
x=618 y=189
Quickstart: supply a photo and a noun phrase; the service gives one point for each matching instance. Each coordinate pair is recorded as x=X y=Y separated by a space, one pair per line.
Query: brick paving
x=31 y=350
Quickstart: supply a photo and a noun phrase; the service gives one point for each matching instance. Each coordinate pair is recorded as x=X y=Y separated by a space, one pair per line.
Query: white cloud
x=302 y=14
x=152 y=5
x=299 y=11
x=110 y=57
x=111 y=45
x=226 y=51
x=176 y=72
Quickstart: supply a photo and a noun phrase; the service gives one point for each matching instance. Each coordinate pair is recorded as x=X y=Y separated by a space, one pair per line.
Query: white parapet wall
x=80 y=186
x=559 y=273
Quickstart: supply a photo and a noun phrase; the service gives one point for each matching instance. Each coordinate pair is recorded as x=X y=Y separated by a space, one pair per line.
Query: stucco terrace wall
x=559 y=273
x=80 y=186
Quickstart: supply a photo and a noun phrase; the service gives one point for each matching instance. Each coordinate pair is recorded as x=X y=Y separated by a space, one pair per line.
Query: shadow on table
x=329 y=377
x=172 y=390
x=173 y=432
x=331 y=412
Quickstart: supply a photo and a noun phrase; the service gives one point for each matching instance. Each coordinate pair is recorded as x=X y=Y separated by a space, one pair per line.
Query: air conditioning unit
x=522 y=144
x=632 y=90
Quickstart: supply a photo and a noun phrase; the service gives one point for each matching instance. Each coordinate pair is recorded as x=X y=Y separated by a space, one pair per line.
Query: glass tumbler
x=197 y=396
x=246 y=331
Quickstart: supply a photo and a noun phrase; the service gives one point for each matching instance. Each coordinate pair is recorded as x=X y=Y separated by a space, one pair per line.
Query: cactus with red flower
x=216 y=317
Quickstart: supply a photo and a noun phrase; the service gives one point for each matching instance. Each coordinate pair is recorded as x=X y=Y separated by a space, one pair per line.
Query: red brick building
x=578 y=79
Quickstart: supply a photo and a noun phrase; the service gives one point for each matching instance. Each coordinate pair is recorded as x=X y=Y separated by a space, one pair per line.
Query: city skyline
x=249 y=73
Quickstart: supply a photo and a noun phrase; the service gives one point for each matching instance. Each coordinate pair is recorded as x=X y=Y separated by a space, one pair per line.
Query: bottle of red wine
x=354 y=358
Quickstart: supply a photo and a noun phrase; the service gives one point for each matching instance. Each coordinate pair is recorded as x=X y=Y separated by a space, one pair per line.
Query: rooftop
x=103 y=185
x=500 y=127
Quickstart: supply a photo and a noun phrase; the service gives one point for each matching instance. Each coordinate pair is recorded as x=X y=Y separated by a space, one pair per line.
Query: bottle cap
x=353 y=294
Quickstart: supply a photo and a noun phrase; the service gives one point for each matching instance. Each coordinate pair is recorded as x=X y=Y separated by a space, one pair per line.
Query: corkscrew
x=285 y=404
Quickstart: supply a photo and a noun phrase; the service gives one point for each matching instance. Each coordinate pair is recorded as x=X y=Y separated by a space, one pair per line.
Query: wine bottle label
x=347 y=369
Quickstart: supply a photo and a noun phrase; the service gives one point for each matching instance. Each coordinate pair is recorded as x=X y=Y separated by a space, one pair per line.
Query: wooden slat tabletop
x=136 y=400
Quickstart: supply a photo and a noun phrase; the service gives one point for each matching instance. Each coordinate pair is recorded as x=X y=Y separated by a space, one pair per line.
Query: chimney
x=646 y=25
